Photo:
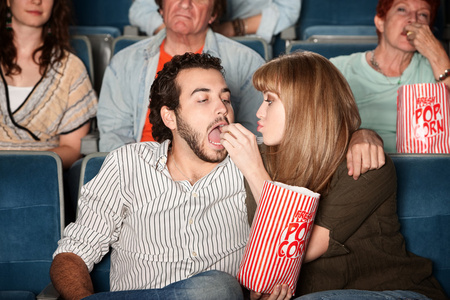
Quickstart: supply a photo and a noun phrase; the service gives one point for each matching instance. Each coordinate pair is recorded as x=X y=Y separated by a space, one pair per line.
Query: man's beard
x=192 y=138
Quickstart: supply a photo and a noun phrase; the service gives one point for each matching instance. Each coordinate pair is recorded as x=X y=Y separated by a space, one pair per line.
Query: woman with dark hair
x=46 y=97
x=407 y=53
x=356 y=250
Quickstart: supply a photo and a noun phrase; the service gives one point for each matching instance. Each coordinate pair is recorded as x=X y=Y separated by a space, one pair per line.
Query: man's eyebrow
x=198 y=90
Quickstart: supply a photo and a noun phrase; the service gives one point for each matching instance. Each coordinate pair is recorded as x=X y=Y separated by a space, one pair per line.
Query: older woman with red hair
x=407 y=53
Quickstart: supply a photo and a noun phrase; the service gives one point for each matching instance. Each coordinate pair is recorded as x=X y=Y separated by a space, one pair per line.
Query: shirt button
x=194 y=254
x=195 y=195
x=191 y=221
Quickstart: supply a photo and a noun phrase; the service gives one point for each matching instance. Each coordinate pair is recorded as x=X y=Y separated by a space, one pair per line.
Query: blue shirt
x=376 y=94
x=276 y=15
x=124 y=97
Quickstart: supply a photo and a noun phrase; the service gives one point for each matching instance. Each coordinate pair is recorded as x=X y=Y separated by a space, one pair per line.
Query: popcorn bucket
x=423 y=118
x=278 y=238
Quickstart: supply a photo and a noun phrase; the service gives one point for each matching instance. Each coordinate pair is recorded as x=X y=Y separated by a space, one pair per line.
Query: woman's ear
x=379 y=23
x=169 y=118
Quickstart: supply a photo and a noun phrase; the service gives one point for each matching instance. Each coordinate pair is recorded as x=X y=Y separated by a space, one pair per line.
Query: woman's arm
x=70 y=145
x=426 y=43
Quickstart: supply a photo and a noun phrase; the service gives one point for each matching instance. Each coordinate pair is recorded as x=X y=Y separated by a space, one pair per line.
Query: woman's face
x=30 y=13
x=272 y=119
x=402 y=13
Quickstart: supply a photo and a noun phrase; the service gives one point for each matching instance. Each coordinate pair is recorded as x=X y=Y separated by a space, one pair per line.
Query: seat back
x=423 y=206
x=256 y=43
x=31 y=218
x=330 y=50
x=83 y=49
x=89 y=168
x=101 y=39
x=124 y=41
x=102 y=13
x=330 y=17
x=350 y=17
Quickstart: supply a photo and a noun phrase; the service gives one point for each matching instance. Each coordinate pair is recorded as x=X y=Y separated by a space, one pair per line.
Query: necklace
x=176 y=166
x=378 y=69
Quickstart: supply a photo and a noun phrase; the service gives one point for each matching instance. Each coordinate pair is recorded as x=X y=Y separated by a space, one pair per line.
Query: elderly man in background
x=123 y=104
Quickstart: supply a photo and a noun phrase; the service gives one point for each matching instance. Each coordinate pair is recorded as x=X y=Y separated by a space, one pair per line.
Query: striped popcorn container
x=278 y=238
x=423 y=118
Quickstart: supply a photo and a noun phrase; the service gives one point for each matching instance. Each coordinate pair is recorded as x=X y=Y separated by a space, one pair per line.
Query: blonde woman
x=307 y=119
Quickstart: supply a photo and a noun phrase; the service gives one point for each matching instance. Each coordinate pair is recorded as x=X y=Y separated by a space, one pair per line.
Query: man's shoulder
x=135 y=50
x=140 y=150
x=229 y=49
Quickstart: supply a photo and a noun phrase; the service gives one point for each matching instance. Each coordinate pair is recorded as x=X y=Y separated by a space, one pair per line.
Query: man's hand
x=280 y=292
x=365 y=152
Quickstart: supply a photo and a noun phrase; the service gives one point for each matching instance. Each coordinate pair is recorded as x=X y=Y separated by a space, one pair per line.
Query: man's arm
x=365 y=152
x=115 y=113
x=145 y=15
x=70 y=276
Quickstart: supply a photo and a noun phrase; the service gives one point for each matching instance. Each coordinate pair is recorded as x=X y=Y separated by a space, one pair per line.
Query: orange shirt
x=163 y=58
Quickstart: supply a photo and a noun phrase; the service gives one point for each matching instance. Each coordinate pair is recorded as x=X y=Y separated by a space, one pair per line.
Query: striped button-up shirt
x=160 y=230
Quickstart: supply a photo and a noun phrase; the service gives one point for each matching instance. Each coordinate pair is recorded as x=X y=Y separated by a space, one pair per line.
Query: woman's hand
x=280 y=292
x=421 y=37
x=243 y=149
x=242 y=146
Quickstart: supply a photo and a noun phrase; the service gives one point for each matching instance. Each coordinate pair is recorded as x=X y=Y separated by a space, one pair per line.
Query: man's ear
x=169 y=118
x=379 y=23
x=212 y=19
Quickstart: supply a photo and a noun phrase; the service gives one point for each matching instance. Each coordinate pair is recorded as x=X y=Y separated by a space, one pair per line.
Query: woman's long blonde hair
x=321 y=116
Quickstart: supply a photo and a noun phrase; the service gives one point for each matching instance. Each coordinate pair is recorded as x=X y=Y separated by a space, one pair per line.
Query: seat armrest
x=48 y=293
x=130 y=30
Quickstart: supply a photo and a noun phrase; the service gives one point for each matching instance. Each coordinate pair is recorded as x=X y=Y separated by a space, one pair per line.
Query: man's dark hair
x=166 y=92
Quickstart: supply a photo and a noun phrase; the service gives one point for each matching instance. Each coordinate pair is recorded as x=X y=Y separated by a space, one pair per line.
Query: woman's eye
x=424 y=16
x=228 y=101
x=268 y=101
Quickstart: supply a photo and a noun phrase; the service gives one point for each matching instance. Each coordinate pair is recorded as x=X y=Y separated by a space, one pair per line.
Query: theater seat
x=256 y=43
x=332 y=49
x=89 y=168
x=83 y=49
x=31 y=220
x=423 y=207
x=124 y=41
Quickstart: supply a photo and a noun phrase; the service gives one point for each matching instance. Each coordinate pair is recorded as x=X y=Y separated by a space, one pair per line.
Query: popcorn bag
x=278 y=238
x=423 y=118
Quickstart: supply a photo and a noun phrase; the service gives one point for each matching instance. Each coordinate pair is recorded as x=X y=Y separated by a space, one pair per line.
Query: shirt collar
x=160 y=157
x=210 y=46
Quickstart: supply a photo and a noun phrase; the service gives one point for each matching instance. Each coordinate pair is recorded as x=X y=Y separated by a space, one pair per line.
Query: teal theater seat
x=423 y=207
x=31 y=220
